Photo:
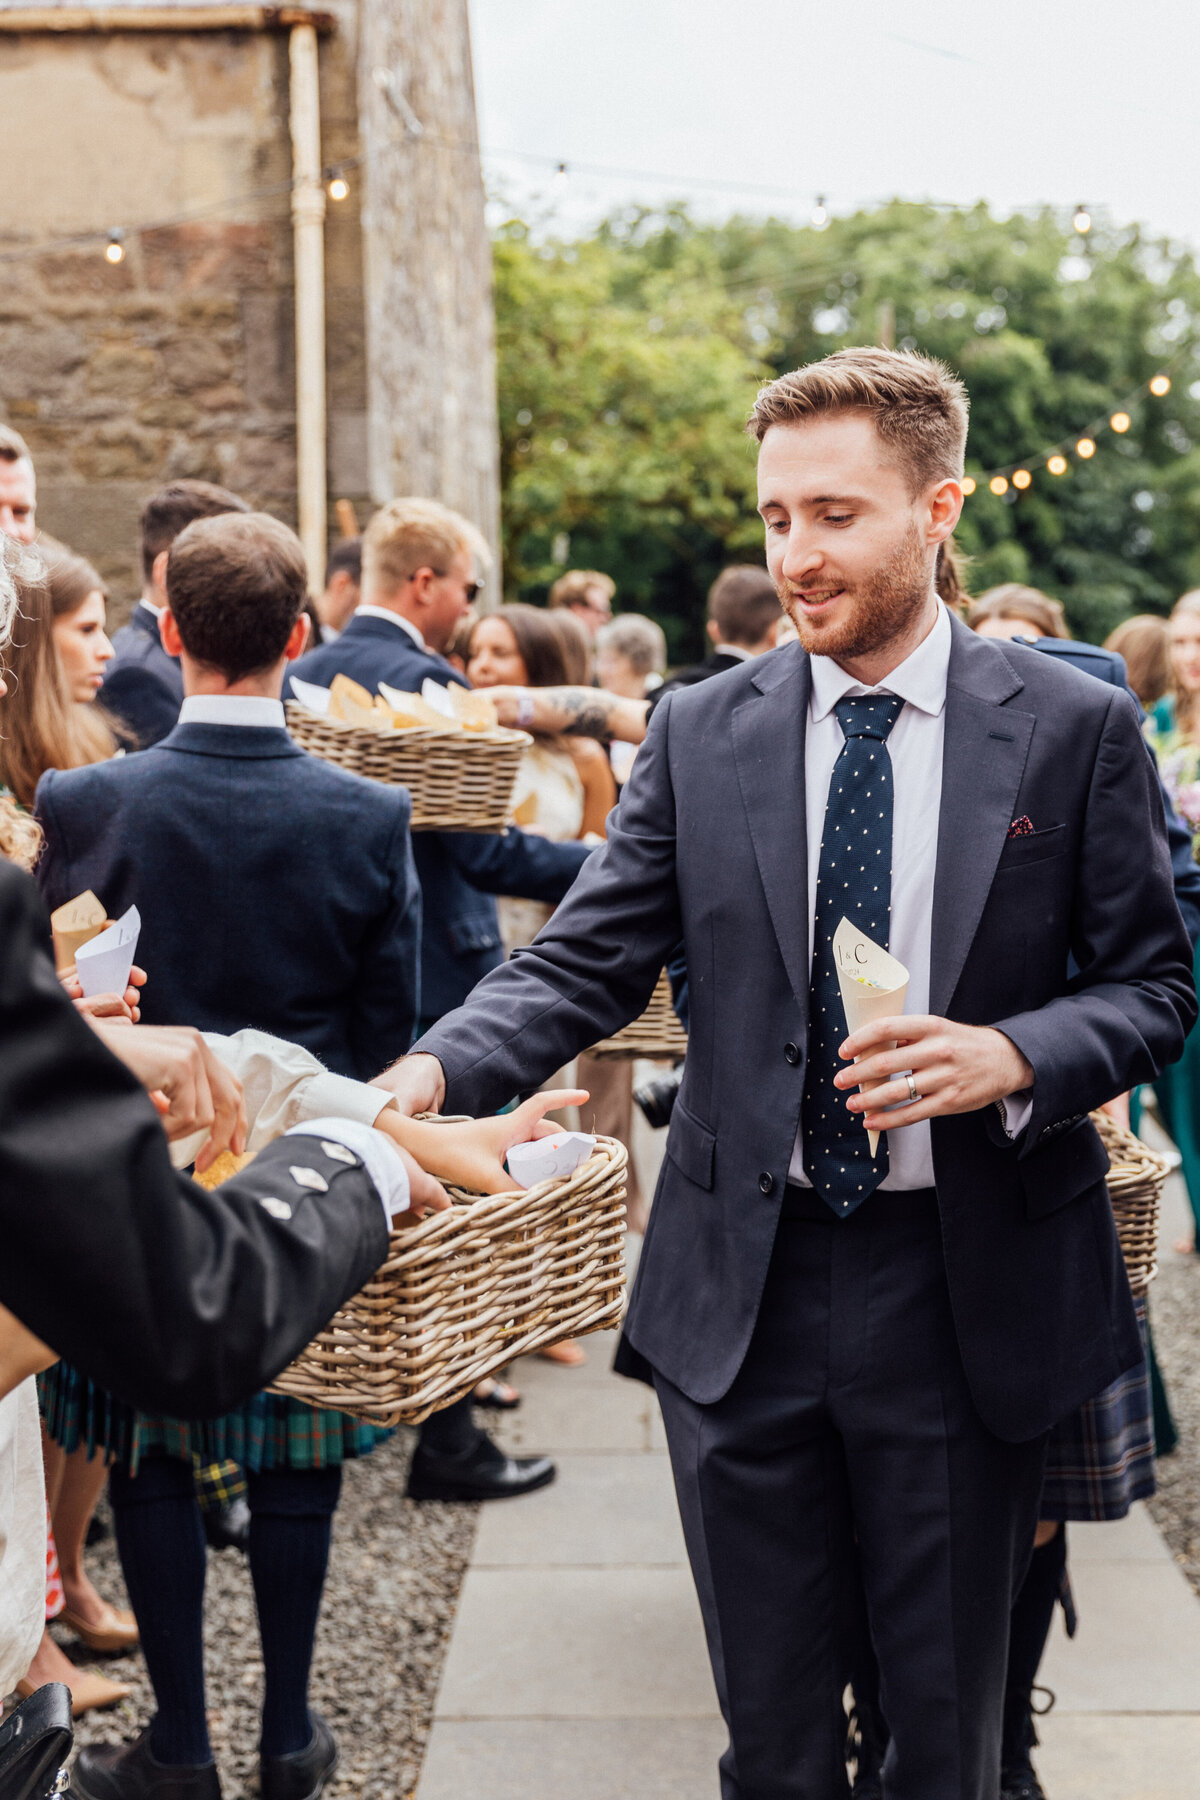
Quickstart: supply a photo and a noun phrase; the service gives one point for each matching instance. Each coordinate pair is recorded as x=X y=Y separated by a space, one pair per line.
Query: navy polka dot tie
x=854 y=881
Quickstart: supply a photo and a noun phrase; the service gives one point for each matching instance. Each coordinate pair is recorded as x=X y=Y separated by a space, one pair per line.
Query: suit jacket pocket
x=691 y=1146
x=478 y=931
x=1019 y=852
x=1063 y=1169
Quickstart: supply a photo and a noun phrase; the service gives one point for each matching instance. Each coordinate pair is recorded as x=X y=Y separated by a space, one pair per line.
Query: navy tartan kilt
x=1101 y=1458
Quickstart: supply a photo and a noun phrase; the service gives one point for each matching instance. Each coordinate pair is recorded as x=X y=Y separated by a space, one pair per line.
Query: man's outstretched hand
x=418 y=1083
x=955 y=1068
x=191 y=1089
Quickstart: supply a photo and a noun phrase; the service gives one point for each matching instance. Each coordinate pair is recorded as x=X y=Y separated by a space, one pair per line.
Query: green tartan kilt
x=270 y=1431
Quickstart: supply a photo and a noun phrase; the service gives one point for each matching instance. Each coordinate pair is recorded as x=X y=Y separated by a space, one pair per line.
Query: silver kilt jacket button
x=278 y=1209
x=309 y=1178
x=338 y=1152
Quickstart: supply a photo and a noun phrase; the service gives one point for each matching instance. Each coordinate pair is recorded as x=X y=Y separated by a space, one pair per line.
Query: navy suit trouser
x=848 y=1442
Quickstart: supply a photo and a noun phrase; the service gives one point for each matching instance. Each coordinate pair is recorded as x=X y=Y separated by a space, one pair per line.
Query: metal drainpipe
x=308 y=236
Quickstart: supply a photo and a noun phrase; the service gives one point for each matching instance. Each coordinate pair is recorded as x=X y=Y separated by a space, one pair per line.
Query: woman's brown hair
x=1012 y=600
x=539 y=640
x=1145 y=644
x=41 y=727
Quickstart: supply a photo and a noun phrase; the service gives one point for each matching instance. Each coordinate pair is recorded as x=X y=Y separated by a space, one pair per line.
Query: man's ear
x=945 y=507
x=158 y=572
x=298 y=639
x=714 y=632
x=168 y=630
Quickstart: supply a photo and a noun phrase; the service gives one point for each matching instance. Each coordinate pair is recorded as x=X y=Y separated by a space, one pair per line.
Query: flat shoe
x=500 y=1396
x=89 y=1691
x=132 y=1772
x=304 y=1774
x=116 y=1631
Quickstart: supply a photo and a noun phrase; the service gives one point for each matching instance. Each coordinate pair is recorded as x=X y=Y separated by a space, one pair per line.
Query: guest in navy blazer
x=143 y=685
x=275 y=890
x=420 y=575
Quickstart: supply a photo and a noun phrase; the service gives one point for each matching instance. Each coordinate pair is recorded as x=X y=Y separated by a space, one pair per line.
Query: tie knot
x=869 y=716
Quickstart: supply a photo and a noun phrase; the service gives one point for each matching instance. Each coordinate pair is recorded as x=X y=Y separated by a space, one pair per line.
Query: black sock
x=1029 y=1627
x=291 y=1518
x=160 y=1540
x=451 y=1432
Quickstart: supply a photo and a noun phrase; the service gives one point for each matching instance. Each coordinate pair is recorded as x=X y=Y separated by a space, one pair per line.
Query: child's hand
x=471 y=1155
x=112 y=1005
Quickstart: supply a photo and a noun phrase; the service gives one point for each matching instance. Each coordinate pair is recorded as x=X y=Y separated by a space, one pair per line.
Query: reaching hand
x=426 y=1194
x=471 y=1154
x=417 y=1082
x=106 y=1006
x=192 y=1090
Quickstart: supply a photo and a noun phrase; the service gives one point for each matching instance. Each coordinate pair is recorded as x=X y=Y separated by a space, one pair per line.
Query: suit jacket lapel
x=768 y=745
x=986 y=747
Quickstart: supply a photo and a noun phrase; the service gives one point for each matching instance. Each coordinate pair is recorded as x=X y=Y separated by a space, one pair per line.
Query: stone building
x=207 y=138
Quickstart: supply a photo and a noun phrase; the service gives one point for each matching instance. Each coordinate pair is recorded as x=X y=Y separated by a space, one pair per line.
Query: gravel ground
x=1175 y=1322
x=393 y=1584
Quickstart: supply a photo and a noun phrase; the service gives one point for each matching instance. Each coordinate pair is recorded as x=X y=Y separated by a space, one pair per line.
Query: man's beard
x=881 y=608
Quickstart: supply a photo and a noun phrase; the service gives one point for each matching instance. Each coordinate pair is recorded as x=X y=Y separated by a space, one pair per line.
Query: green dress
x=1178 y=1087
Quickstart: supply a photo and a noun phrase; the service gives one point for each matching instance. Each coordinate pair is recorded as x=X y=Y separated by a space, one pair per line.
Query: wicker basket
x=467 y=1290
x=1134 y=1182
x=459 y=781
x=657 y=1034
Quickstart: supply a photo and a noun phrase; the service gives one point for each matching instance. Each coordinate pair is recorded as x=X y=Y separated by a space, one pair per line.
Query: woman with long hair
x=54 y=667
x=49 y=718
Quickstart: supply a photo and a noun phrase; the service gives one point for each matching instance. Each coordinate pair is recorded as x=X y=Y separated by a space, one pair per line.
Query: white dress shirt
x=392 y=618
x=915 y=747
x=232 y=709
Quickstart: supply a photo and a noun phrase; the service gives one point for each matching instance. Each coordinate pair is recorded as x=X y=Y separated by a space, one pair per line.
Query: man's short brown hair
x=572 y=588
x=918 y=406
x=236 y=584
x=169 y=509
x=411 y=534
x=743 y=604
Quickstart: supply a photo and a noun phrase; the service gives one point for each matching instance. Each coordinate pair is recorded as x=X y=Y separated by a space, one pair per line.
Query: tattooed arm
x=574 y=711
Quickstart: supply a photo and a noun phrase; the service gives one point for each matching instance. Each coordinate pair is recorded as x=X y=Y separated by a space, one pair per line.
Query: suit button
x=792 y=1053
x=766 y=1183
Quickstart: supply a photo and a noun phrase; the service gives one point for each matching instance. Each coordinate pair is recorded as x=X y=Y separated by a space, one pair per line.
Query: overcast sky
x=1011 y=101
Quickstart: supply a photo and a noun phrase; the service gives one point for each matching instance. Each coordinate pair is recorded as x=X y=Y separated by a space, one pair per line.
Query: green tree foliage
x=628 y=363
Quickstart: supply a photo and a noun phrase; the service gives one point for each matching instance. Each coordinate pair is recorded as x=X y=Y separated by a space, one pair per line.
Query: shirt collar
x=920 y=679
x=156 y=612
x=232 y=709
x=393 y=618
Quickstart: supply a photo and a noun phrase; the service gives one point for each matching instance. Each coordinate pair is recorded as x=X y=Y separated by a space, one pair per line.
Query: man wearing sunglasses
x=422 y=568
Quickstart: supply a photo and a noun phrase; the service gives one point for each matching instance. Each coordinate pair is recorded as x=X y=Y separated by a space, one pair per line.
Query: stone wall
x=178 y=361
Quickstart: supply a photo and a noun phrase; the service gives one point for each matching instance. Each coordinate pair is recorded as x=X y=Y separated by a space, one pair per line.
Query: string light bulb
x=560 y=176
x=969 y=484
x=1022 y=478
x=339 y=187
x=1120 y=421
x=1160 y=385
x=114 y=250
x=1085 y=447
x=1057 y=464
x=819 y=217
x=998 y=485
x=1082 y=220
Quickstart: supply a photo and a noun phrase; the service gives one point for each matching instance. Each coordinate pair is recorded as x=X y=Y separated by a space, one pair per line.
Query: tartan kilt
x=271 y=1431
x=1101 y=1459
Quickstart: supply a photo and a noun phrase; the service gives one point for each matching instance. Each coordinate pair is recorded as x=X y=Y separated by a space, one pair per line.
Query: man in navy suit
x=859 y=1353
x=421 y=571
x=143 y=684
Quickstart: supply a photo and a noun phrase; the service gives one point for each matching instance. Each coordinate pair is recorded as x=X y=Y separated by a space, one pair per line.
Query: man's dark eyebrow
x=820 y=500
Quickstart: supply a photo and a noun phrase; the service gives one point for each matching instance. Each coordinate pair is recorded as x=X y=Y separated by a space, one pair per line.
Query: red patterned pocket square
x=1022 y=827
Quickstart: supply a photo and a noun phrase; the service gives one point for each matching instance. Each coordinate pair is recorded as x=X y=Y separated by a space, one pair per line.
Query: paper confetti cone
x=873 y=985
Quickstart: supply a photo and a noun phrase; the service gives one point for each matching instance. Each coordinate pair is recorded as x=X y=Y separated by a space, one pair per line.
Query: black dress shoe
x=303 y=1774
x=1021 y=1784
x=131 y=1772
x=228 y=1527
x=484 y=1473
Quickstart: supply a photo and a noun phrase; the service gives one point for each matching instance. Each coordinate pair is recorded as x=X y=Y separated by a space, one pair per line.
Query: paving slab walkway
x=577 y=1669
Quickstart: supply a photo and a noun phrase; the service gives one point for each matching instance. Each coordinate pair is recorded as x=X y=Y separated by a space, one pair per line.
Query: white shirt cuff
x=376 y=1153
x=1015 y=1111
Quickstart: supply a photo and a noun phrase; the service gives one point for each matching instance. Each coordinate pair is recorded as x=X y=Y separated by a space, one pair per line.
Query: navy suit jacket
x=708 y=845
x=275 y=890
x=1106 y=665
x=143 y=686
x=459 y=872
